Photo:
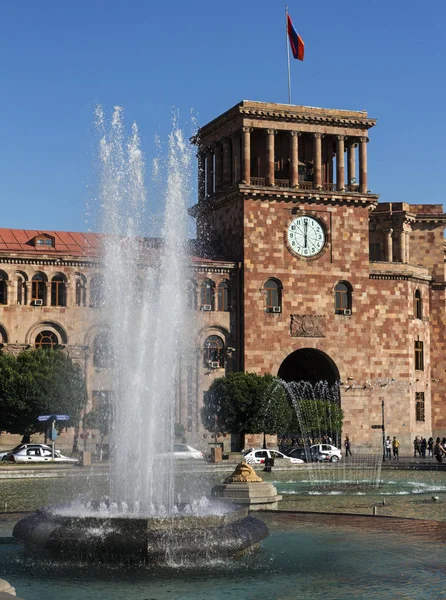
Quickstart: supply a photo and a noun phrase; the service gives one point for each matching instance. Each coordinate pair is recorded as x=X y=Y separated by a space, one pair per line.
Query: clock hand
x=305 y=233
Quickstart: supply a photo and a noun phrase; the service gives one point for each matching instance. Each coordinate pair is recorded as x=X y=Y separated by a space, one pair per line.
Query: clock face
x=306 y=236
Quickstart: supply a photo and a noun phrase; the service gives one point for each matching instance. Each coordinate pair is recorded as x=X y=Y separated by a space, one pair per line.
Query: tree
x=246 y=403
x=316 y=418
x=38 y=382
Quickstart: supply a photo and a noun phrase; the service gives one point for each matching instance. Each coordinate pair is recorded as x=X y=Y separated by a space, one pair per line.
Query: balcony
x=305 y=185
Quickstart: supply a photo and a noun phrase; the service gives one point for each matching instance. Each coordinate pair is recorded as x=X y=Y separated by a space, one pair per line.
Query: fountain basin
x=134 y=539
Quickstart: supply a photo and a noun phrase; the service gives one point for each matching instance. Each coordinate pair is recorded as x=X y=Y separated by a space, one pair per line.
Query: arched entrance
x=309 y=364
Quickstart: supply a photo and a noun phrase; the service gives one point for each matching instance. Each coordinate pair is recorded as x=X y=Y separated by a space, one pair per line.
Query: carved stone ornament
x=15 y=349
x=307 y=326
x=77 y=352
x=243 y=473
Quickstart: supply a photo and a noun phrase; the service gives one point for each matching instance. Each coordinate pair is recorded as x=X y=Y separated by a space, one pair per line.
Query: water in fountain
x=357 y=472
x=145 y=314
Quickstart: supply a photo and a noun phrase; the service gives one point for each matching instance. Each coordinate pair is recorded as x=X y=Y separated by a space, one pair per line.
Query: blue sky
x=59 y=59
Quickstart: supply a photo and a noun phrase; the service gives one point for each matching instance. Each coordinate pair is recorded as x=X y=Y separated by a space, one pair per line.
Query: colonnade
x=19 y=291
x=228 y=161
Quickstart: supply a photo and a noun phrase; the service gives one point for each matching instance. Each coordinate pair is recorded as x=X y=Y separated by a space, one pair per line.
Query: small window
x=343 y=298
x=58 y=291
x=419 y=406
x=47 y=340
x=419 y=356
x=38 y=288
x=418 y=305
x=44 y=241
x=273 y=296
x=213 y=352
x=223 y=296
x=208 y=295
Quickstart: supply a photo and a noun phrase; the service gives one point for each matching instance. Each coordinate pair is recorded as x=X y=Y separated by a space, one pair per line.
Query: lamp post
x=383 y=430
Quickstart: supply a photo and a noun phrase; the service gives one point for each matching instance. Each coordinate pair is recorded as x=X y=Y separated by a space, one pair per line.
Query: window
x=21 y=290
x=38 y=288
x=58 y=291
x=97 y=292
x=191 y=295
x=47 y=340
x=102 y=351
x=44 y=241
x=343 y=298
x=223 y=296
x=375 y=251
x=213 y=355
x=418 y=305
x=3 y=288
x=208 y=295
x=81 y=290
x=273 y=296
x=419 y=356
x=419 y=406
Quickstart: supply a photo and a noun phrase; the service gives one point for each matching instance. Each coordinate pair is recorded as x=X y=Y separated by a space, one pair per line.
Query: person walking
x=439 y=450
x=347 y=445
x=388 y=445
x=395 y=448
x=416 y=447
x=430 y=447
x=423 y=446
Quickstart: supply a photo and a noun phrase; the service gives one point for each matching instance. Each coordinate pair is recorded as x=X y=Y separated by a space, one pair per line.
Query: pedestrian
x=430 y=446
x=439 y=450
x=416 y=447
x=347 y=445
x=388 y=445
x=423 y=447
x=395 y=448
x=443 y=442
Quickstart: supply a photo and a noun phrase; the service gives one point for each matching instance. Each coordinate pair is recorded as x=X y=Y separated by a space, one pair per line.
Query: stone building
x=297 y=270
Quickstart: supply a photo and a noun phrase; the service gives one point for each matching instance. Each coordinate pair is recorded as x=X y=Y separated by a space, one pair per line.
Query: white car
x=257 y=457
x=327 y=452
x=183 y=451
x=35 y=453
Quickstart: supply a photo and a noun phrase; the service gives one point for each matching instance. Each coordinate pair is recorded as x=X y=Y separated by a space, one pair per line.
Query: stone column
x=247 y=155
x=363 y=165
x=294 y=163
x=27 y=292
x=87 y=295
x=317 y=161
x=227 y=152
x=402 y=246
x=47 y=301
x=340 y=163
x=218 y=151
x=351 y=164
x=389 y=246
x=270 y=176
x=71 y=292
x=407 y=244
x=236 y=159
x=201 y=174
x=209 y=172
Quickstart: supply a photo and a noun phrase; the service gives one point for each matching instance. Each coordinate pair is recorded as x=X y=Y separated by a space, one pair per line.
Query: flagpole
x=288 y=54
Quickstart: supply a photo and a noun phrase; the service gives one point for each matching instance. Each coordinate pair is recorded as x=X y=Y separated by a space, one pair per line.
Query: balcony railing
x=305 y=185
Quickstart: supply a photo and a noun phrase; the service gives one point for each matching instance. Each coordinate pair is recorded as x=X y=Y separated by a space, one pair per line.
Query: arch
x=418 y=305
x=102 y=351
x=273 y=295
x=207 y=295
x=20 y=279
x=3 y=288
x=214 y=352
x=59 y=290
x=49 y=326
x=223 y=296
x=343 y=298
x=46 y=339
x=309 y=364
x=38 y=287
x=3 y=335
x=97 y=291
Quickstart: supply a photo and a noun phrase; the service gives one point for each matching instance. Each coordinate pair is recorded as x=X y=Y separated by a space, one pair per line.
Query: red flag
x=296 y=42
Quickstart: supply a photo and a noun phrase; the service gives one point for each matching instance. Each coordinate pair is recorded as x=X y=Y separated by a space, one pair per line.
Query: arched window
x=208 y=295
x=273 y=296
x=102 y=351
x=223 y=296
x=343 y=298
x=191 y=295
x=3 y=288
x=38 y=289
x=81 y=295
x=97 y=292
x=58 y=291
x=47 y=340
x=214 y=352
x=418 y=305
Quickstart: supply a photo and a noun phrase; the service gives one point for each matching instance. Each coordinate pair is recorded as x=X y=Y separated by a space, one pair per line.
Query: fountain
x=142 y=521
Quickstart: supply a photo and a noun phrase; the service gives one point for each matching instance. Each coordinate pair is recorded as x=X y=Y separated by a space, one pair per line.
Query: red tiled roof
x=65 y=242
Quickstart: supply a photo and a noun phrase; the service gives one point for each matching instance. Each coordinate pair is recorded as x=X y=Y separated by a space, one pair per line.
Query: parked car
x=257 y=457
x=183 y=451
x=35 y=453
x=327 y=452
x=305 y=453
